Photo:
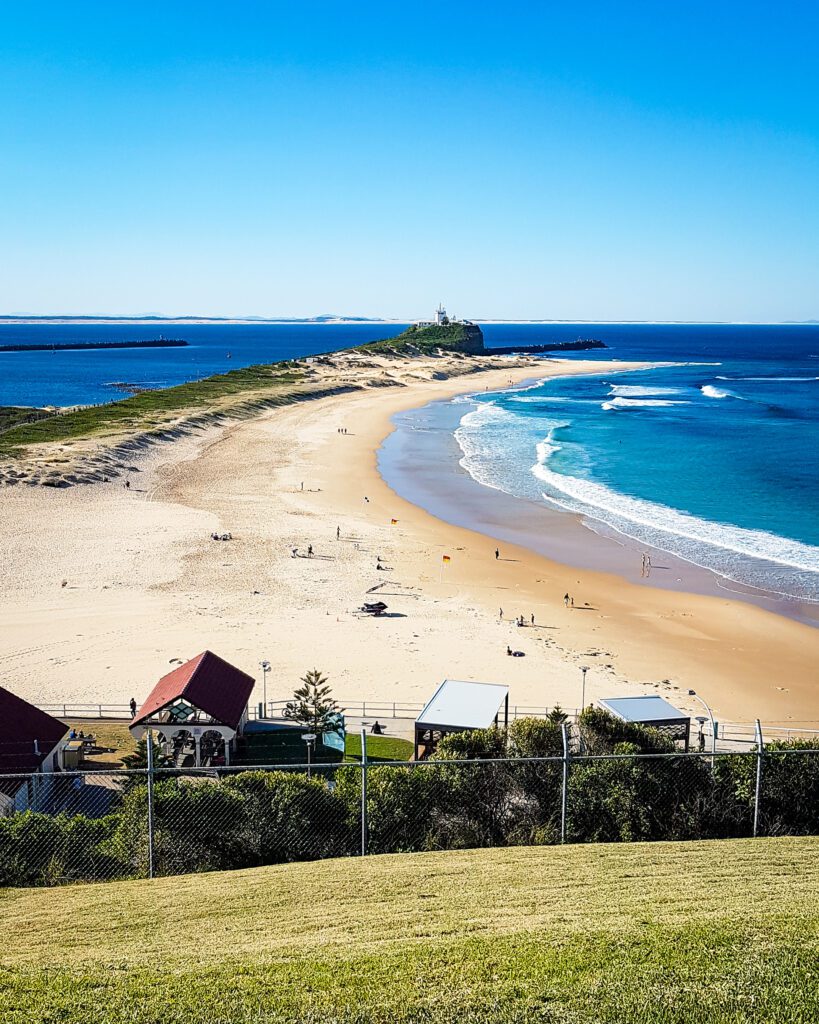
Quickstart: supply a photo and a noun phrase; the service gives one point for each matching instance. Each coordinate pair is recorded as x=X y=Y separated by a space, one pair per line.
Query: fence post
x=760 y=752
x=363 y=792
x=564 y=802
x=150 y=750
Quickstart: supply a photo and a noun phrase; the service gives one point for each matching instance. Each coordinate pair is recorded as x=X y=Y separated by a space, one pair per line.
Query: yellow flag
x=393 y=521
x=446 y=558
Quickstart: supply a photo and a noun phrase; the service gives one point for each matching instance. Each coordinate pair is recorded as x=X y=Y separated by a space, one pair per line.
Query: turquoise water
x=716 y=462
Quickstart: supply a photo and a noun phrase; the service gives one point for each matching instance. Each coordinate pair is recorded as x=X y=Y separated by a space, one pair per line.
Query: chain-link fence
x=93 y=826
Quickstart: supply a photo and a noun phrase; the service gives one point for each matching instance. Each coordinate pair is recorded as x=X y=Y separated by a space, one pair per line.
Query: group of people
x=294 y=552
x=221 y=536
x=519 y=619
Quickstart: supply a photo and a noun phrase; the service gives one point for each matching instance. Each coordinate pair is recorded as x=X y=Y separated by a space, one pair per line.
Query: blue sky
x=595 y=161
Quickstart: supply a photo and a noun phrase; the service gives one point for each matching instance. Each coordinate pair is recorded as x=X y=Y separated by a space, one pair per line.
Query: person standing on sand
x=572 y=602
x=500 y=613
x=533 y=618
x=338 y=533
x=566 y=600
x=497 y=554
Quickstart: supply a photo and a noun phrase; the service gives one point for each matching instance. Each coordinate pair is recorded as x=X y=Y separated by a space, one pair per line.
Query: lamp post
x=309 y=738
x=265 y=667
x=693 y=693
x=584 y=669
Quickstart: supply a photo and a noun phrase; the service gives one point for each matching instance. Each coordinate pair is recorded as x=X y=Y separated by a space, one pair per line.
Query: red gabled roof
x=207 y=682
x=21 y=724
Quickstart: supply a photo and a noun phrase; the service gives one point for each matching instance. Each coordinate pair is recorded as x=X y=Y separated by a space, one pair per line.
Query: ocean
x=93 y=377
x=715 y=461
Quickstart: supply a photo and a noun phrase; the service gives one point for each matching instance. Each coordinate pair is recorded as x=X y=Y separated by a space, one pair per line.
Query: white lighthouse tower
x=440 y=315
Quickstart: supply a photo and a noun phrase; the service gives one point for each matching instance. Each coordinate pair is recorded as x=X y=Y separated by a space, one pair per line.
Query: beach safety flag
x=393 y=522
x=446 y=558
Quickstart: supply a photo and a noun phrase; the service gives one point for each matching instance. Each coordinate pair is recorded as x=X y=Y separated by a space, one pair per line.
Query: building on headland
x=440 y=319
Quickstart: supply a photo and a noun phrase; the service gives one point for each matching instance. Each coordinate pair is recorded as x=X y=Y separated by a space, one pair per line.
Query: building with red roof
x=197 y=710
x=31 y=742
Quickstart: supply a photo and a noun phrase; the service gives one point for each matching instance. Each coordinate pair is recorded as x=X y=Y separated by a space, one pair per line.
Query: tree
x=312 y=706
x=139 y=758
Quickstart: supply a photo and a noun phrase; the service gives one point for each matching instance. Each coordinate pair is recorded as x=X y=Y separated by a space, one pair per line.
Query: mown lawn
x=379 y=748
x=654 y=933
x=113 y=741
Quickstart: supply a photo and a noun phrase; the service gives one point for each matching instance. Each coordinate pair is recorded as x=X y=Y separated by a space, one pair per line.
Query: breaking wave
x=638 y=403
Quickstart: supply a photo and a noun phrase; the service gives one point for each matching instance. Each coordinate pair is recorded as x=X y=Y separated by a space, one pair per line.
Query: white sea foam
x=638 y=403
x=810 y=379
x=711 y=392
x=642 y=391
x=701 y=541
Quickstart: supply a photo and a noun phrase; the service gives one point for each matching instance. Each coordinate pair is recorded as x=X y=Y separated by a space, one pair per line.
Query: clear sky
x=598 y=161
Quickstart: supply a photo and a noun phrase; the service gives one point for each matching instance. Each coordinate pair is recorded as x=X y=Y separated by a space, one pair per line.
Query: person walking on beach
x=497 y=554
x=309 y=550
x=338 y=533
x=133 y=706
x=572 y=600
x=566 y=600
x=500 y=613
x=533 y=618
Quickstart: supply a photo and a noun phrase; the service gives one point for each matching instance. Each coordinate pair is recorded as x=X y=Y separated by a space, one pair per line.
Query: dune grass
x=691 y=932
x=153 y=409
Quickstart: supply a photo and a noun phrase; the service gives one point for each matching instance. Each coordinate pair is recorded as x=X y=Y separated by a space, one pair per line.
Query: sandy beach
x=105 y=588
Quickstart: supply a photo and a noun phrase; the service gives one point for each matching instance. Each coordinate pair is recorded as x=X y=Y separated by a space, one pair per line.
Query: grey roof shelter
x=651 y=710
x=457 y=706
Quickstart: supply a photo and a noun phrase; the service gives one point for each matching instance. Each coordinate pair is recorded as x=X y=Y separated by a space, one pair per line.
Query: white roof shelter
x=457 y=706
x=650 y=710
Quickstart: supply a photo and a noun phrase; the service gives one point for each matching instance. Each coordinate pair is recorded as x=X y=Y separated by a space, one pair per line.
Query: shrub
x=287 y=817
x=41 y=849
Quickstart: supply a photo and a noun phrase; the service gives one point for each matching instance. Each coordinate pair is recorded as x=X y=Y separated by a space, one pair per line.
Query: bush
x=40 y=849
x=601 y=732
x=287 y=817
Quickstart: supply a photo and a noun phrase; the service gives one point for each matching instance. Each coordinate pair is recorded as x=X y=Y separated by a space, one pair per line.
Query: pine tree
x=312 y=706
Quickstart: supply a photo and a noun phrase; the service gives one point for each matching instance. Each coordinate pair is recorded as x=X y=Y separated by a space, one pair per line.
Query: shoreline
x=106 y=587
x=421 y=461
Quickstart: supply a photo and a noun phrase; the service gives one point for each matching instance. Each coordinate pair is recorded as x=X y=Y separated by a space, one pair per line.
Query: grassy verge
x=379 y=748
x=153 y=409
x=669 y=933
x=14 y=416
x=113 y=741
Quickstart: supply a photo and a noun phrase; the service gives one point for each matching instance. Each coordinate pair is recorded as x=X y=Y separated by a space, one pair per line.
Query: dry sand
x=105 y=589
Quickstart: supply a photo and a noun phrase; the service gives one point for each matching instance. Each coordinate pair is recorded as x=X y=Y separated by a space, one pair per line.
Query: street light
x=309 y=738
x=693 y=693
x=265 y=667
x=584 y=669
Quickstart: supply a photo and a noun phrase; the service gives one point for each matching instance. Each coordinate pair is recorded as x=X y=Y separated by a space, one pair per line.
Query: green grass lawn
x=113 y=741
x=653 y=933
x=379 y=748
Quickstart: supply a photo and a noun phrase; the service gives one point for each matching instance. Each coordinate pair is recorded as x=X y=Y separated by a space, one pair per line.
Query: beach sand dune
x=105 y=589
